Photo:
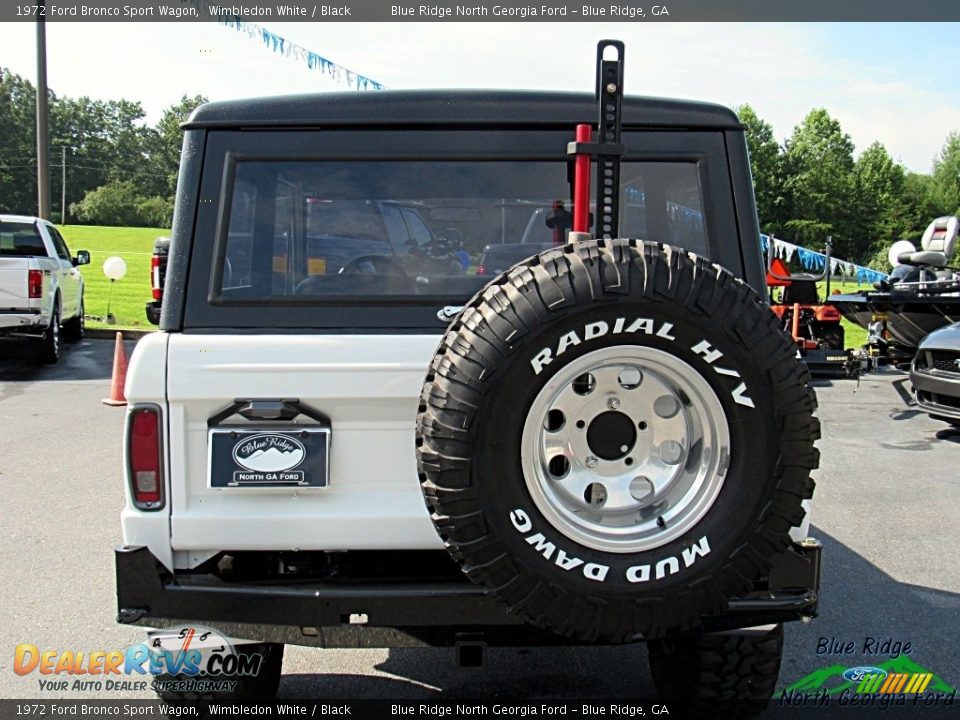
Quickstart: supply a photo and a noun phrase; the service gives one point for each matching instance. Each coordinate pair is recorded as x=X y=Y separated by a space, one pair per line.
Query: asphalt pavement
x=886 y=510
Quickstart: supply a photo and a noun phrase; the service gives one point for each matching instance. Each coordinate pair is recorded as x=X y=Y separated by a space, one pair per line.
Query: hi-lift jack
x=607 y=149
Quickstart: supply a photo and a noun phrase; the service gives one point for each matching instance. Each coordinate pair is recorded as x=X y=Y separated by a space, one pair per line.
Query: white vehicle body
x=368 y=389
x=27 y=313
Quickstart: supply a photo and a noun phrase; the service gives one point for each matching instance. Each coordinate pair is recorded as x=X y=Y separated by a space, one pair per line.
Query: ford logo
x=857 y=674
x=268 y=452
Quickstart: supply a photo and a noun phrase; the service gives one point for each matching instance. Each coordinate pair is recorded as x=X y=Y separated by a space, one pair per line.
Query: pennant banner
x=294 y=52
x=815 y=262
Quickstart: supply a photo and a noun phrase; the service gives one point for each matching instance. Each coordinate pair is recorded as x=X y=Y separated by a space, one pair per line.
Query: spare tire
x=614 y=438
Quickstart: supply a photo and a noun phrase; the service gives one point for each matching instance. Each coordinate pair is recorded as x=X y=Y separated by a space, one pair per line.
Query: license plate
x=266 y=457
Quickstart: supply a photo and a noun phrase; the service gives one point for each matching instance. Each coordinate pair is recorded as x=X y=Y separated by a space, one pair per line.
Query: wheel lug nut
x=592 y=461
x=613 y=403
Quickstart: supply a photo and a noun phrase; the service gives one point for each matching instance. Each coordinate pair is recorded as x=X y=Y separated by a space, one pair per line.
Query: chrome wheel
x=625 y=449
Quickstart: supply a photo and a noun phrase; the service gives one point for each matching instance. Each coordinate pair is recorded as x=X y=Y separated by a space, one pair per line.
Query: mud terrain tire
x=716 y=411
x=732 y=676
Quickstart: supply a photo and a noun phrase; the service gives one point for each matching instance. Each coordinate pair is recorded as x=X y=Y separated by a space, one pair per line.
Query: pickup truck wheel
x=262 y=686
x=615 y=437
x=74 y=328
x=709 y=676
x=50 y=344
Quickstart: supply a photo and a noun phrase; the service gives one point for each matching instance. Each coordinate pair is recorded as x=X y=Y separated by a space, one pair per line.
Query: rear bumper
x=437 y=612
x=26 y=321
x=153 y=312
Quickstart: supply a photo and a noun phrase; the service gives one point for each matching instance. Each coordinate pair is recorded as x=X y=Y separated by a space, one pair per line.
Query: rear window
x=19 y=239
x=345 y=229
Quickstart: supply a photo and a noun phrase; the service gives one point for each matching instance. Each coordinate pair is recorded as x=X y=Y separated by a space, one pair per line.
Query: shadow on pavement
x=86 y=360
x=602 y=673
x=859 y=603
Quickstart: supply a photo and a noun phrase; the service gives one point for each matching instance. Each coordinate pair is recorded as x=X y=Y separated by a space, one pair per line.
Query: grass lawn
x=854 y=336
x=129 y=295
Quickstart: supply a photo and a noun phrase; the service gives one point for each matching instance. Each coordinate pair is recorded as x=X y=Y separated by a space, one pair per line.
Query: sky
x=889 y=82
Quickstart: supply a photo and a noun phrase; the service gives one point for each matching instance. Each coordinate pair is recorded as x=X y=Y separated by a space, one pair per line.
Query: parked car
x=41 y=289
x=935 y=374
x=158 y=275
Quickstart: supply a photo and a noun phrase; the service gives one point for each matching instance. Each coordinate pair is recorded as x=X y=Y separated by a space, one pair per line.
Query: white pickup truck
x=41 y=288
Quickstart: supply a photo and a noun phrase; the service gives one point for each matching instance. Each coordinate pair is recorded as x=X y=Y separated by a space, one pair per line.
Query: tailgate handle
x=276 y=410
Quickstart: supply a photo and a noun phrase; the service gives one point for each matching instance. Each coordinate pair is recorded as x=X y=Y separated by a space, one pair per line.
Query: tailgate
x=13 y=283
x=363 y=493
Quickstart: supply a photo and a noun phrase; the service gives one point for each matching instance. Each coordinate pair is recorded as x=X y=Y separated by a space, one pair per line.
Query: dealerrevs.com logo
x=188 y=658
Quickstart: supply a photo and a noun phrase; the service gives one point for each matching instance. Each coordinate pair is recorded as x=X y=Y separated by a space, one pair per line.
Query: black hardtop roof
x=451 y=107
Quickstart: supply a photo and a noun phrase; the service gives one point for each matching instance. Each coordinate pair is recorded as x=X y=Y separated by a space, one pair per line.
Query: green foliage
x=820 y=182
x=18 y=144
x=119 y=202
x=766 y=165
x=946 y=176
x=155 y=211
x=108 y=145
x=811 y=188
x=879 y=201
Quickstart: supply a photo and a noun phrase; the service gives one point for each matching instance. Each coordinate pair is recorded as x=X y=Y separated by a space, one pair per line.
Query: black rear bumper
x=361 y=613
x=153 y=312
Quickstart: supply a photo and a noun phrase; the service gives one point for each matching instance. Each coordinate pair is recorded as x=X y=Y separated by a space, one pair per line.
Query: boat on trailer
x=922 y=293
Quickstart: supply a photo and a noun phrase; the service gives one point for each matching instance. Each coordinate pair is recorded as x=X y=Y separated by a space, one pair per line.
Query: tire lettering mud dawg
x=598 y=329
x=670 y=565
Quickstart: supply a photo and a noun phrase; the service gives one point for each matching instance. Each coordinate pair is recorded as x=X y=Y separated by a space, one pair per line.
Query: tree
x=18 y=145
x=167 y=140
x=766 y=166
x=119 y=202
x=819 y=184
x=946 y=176
x=880 y=208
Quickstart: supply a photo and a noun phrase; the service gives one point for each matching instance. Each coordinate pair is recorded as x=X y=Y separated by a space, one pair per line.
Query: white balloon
x=114 y=267
x=898 y=248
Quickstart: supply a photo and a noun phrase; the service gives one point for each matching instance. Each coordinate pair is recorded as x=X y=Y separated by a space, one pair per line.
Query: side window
x=236 y=270
x=662 y=201
x=418 y=228
x=397 y=231
x=59 y=245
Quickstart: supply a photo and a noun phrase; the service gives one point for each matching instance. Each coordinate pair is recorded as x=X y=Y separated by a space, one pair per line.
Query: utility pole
x=63 y=185
x=43 y=126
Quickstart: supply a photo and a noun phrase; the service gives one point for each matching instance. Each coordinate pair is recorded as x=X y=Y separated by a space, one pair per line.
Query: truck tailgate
x=13 y=283
x=368 y=387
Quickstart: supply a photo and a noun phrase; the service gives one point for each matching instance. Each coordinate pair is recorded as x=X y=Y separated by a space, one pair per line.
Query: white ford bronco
x=343 y=436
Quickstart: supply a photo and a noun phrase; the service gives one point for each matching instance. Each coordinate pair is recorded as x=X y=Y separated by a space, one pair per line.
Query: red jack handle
x=581 y=183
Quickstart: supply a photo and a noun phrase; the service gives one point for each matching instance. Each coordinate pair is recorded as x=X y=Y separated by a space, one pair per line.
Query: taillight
x=155 y=277
x=34 y=283
x=143 y=457
x=481 y=270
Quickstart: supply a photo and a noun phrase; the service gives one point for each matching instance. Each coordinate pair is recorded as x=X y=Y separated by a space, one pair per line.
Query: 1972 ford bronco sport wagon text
x=343 y=436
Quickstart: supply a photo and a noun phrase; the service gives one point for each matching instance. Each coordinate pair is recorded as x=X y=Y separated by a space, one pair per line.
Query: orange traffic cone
x=119 y=375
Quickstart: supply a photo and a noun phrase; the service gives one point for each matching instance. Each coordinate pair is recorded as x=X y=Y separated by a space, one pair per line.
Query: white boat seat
x=938 y=243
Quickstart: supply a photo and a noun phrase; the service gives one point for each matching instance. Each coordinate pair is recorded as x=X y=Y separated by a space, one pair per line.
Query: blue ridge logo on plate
x=269 y=452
